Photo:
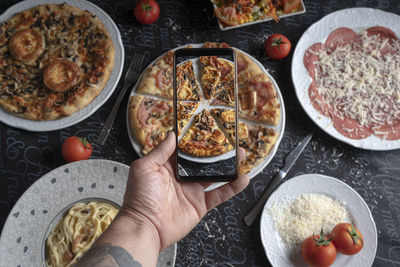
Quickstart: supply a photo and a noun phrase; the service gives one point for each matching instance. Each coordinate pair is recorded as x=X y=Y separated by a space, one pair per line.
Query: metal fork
x=131 y=77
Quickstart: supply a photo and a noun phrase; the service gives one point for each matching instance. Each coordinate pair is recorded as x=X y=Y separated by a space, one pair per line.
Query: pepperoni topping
x=26 y=45
x=349 y=127
x=241 y=64
x=61 y=75
x=163 y=78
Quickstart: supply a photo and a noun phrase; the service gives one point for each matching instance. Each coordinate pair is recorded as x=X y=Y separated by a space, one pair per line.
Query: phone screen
x=205 y=110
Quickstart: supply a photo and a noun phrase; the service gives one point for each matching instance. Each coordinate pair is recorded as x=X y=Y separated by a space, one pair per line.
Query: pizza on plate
x=204 y=127
x=54 y=60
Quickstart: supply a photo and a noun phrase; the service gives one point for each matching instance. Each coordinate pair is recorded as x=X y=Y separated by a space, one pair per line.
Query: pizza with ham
x=354 y=81
x=54 y=60
x=205 y=113
x=204 y=138
x=258 y=100
x=150 y=120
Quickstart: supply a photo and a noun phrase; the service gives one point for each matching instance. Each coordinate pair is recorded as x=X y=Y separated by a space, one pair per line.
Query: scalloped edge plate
x=276 y=250
x=24 y=233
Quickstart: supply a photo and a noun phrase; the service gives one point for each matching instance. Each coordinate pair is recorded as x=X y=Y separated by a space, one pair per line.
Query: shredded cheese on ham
x=361 y=80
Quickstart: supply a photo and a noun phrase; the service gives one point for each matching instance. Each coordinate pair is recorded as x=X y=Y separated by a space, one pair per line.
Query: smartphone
x=205 y=114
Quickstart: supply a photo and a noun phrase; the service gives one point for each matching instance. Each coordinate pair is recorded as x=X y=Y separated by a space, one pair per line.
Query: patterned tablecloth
x=221 y=238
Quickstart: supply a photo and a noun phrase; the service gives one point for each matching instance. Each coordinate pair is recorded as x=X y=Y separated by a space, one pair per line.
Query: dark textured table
x=221 y=238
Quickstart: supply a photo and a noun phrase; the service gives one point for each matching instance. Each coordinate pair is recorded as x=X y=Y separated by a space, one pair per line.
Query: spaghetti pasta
x=75 y=233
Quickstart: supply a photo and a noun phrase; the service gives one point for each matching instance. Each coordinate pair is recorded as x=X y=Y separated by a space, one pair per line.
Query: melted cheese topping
x=361 y=81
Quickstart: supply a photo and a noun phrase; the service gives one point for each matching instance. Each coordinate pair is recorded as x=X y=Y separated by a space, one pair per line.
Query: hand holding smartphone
x=205 y=113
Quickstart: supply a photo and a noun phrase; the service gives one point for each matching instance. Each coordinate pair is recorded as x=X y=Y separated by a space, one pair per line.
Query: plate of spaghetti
x=61 y=215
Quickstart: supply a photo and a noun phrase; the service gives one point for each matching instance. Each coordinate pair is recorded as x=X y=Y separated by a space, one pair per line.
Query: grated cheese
x=306 y=215
x=361 y=82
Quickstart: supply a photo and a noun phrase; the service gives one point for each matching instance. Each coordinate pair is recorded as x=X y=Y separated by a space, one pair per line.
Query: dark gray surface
x=221 y=238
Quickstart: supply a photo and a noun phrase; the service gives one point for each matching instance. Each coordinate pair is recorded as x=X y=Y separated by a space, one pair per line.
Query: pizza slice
x=257 y=141
x=258 y=100
x=157 y=79
x=187 y=86
x=225 y=91
x=226 y=119
x=204 y=138
x=210 y=76
x=150 y=120
x=185 y=111
x=246 y=68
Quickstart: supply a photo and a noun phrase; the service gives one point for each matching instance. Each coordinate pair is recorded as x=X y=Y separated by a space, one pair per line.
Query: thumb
x=163 y=151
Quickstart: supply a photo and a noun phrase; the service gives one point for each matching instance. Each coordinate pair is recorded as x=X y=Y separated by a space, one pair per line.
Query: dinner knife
x=288 y=163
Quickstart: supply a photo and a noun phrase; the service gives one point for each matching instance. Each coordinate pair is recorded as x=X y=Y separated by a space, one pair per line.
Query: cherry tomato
x=146 y=11
x=290 y=5
x=318 y=251
x=76 y=148
x=347 y=238
x=277 y=46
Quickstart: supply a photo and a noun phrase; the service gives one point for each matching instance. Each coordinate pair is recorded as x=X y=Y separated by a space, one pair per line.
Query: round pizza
x=54 y=60
x=208 y=131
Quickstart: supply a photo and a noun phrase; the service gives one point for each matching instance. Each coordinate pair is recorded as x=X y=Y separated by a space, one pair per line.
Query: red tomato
x=318 y=251
x=146 y=11
x=290 y=5
x=347 y=238
x=76 y=148
x=277 y=46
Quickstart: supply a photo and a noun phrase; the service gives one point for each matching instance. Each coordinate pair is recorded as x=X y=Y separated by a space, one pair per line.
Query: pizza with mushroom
x=54 y=60
x=205 y=113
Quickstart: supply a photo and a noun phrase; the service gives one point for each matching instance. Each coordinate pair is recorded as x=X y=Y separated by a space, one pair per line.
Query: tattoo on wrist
x=107 y=255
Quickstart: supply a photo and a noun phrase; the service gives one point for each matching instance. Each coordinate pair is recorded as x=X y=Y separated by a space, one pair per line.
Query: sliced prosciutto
x=356 y=81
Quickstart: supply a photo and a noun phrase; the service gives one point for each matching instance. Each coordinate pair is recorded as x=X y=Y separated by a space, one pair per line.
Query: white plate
x=43 y=126
x=356 y=19
x=224 y=28
x=331 y=187
x=36 y=212
x=279 y=128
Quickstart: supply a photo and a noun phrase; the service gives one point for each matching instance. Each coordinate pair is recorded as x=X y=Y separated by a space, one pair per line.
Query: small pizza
x=226 y=119
x=258 y=100
x=157 y=79
x=54 y=60
x=257 y=141
x=186 y=83
x=204 y=138
x=185 y=111
x=150 y=120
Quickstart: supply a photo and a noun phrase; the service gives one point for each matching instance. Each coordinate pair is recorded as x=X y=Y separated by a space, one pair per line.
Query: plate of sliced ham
x=345 y=71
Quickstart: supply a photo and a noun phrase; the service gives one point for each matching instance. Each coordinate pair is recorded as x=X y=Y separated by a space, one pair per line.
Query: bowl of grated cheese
x=303 y=206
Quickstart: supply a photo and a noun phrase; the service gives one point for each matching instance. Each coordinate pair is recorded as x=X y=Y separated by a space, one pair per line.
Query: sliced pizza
x=186 y=83
x=226 y=87
x=210 y=76
x=246 y=68
x=257 y=141
x=226 y=119
x=157 y=79
x=185 y=111
x=150 y=120
x=258 y=100
x=204 y=138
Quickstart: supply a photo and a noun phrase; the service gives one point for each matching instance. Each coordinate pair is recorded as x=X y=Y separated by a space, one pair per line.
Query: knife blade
x=288 y=163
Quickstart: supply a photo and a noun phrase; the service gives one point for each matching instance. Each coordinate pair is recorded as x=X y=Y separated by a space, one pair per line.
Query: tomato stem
x=277 y=42
x=145 y=6
x=84 y=142
x=353 y=233
x=321 y=241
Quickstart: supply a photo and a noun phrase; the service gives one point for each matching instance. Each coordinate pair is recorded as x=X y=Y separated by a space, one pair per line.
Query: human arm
x=158 y=210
